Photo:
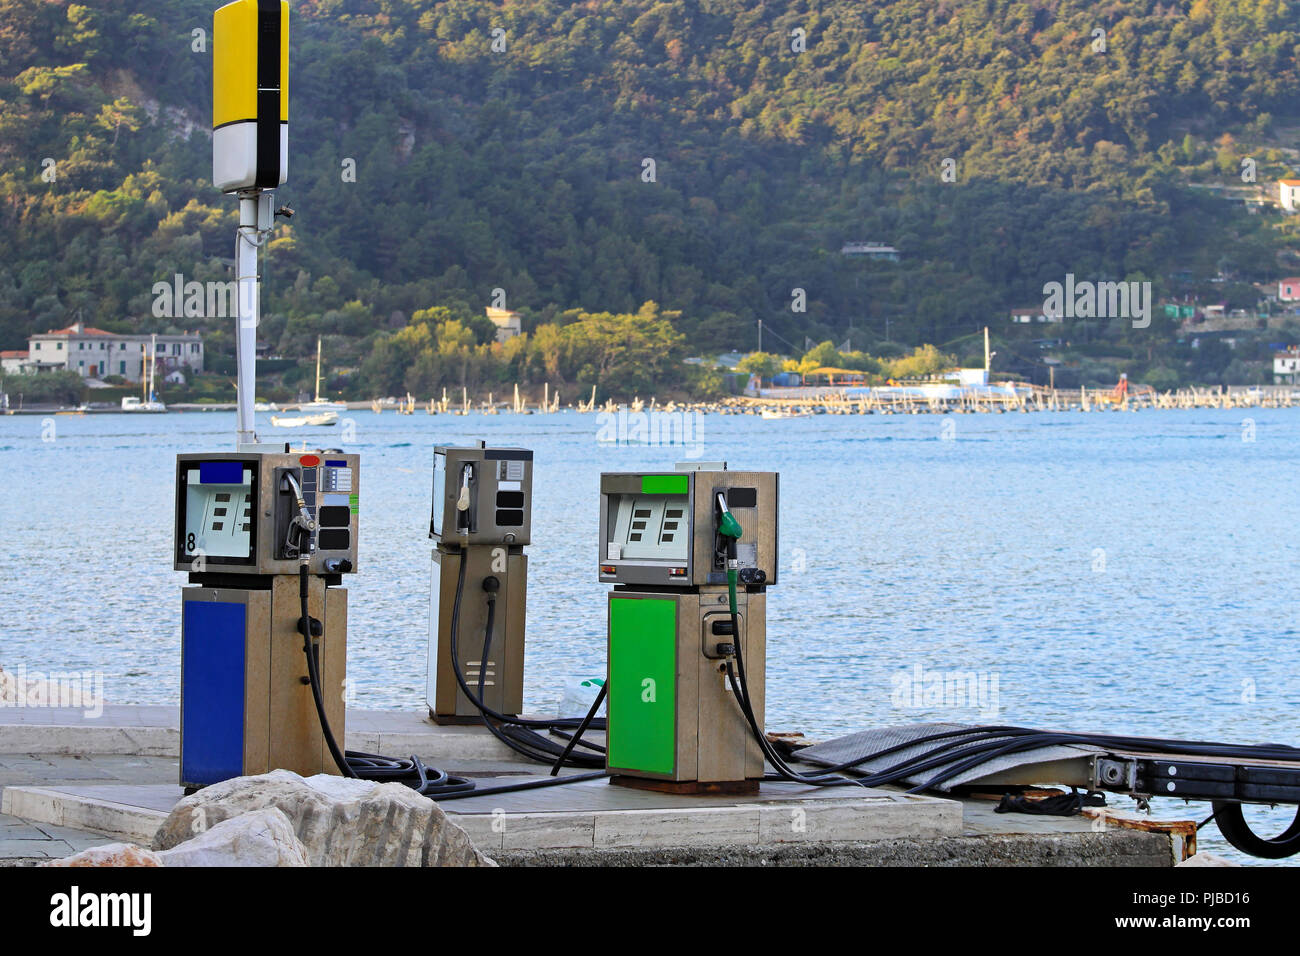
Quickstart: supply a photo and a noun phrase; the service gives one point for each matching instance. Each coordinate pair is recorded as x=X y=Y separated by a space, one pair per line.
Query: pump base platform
x=71 y=779
x=584 y=816
x=685 y=786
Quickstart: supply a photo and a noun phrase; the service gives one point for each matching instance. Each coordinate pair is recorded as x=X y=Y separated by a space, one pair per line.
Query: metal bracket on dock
x=1172 y=776
x=1115 y=774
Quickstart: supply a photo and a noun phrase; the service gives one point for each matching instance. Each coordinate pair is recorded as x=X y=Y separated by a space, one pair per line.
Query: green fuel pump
x=690 y=555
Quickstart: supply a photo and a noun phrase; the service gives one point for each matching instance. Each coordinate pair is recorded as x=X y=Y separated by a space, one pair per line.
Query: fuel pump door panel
x=503 y=674
x=213 y=645
x=244 y=707
x=643 y=693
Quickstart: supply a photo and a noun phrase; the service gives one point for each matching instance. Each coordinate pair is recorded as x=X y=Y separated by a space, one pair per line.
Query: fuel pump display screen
x=653 y=527
x=218 y=512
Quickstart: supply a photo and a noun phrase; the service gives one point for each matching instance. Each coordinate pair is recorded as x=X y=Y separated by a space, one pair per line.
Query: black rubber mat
x=868 y=743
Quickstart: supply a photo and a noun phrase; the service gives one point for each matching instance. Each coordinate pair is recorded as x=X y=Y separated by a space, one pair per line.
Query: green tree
x=762 y=364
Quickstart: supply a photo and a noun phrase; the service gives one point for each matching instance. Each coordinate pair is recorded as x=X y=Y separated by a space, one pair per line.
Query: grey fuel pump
x=482 y=503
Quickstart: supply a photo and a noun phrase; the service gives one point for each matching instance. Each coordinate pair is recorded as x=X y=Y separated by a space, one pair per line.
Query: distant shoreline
x=860 y=402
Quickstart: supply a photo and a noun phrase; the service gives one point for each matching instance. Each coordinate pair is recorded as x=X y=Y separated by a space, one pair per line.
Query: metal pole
x=249 y=310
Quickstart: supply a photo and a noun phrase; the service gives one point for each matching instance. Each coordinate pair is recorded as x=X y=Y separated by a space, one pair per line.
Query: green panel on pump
x=665 y=485
x=642 y=678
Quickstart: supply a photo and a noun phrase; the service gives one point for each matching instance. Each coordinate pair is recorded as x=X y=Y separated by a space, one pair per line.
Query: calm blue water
x=1130 y=573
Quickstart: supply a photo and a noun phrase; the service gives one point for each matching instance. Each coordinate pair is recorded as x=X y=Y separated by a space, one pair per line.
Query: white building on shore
x=1286 y=366
x=508 y=323
x=94 y=353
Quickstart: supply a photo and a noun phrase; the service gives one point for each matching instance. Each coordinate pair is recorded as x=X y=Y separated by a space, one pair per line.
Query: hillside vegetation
x=429 y=169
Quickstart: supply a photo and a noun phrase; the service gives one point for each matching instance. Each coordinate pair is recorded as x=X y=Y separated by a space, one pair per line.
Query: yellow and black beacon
x=250 y=155
x=250 y=95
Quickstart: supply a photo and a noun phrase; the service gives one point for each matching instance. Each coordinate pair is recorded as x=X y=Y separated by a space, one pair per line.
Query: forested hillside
x=443 y=150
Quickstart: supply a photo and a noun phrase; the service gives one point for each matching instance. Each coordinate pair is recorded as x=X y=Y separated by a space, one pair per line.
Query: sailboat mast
x=153 y=362
x=318 y=368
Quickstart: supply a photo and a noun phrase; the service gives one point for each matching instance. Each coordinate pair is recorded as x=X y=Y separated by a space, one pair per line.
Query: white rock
x=340 y=821
x=1207 y=859
x=258 y=838
x=110 y=854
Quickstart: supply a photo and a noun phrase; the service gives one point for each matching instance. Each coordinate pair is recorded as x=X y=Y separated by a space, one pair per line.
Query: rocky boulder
x=110 y=854
x=259 y=838
x=340 y=821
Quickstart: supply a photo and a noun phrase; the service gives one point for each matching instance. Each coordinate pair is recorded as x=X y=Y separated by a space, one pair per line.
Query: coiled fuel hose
x=412 y=772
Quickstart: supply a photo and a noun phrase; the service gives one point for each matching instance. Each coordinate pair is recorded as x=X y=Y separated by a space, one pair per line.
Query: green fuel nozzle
x=728 y=526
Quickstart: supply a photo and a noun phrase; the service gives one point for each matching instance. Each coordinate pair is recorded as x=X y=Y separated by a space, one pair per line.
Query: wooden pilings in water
x=891 y=401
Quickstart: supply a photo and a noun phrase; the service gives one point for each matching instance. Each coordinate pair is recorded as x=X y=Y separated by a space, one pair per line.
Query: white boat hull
x=305 y=421
x=135 y=405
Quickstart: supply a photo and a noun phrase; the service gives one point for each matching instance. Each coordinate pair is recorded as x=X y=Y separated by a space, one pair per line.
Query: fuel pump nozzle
x=463 y=517
x=728 y=526
x=303 y=525
x=730 y=531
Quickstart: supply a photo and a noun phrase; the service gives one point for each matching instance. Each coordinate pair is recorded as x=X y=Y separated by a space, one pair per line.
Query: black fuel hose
x=1232 y=824
x=971 y=747
x=783 y=770
x=968 y=748
x=313 y=672
x=582 y=728
x=526 y=737
x=740 y=691
x=525 y=785
x=522 y=747
x=413 y=772
x=515 y=732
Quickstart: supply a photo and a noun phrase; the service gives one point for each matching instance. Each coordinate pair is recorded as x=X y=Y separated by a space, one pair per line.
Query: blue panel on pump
x=212 y=692
x=221 y=472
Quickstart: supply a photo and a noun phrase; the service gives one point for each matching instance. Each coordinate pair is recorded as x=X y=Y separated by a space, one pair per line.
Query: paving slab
x=155 y=731
x=16 y=828
x=110 y=811
x=24 y=842
x=42 y=849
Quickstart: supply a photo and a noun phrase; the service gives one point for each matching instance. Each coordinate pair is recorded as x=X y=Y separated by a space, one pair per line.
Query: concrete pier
x=69 y=781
